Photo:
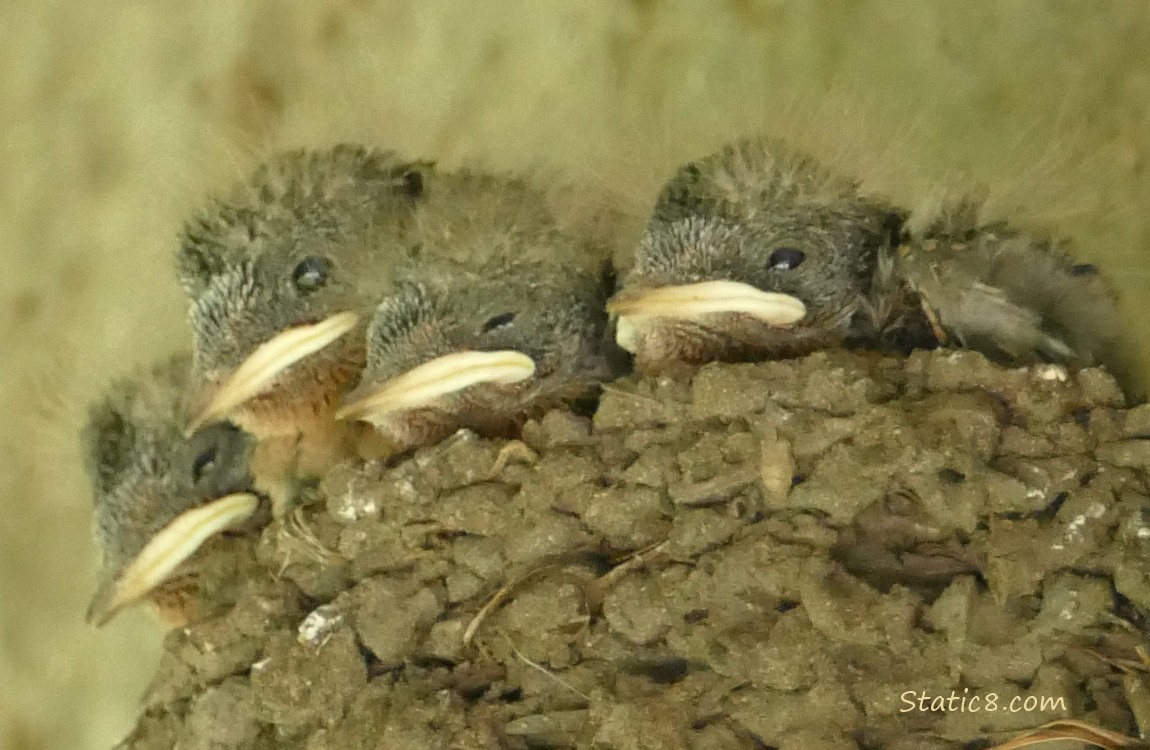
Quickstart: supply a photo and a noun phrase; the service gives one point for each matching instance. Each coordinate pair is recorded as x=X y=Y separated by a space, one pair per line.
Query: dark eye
x=413 y=183
x=786 y=258
x=499 y=321
x=1083 y=269
x=310 y=274
x=203 y=463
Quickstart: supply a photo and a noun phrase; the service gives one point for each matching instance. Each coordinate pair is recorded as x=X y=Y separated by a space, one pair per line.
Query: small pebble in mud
x=706 y=577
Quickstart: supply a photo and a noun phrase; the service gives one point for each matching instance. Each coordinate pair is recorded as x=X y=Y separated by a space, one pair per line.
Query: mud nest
x=780 y=555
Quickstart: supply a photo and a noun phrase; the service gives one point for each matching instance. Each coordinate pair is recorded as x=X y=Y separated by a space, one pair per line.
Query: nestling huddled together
x=351 y=304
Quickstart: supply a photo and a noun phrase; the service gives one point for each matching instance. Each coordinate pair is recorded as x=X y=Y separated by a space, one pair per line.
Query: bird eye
x=204 y=462
x=499 y=321
x=310 y=274
x=786 y=258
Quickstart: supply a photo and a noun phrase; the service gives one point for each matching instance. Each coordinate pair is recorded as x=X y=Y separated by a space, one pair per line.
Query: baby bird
x=514 y=323
x=158 y=496
x=278 y=277
x=754 y=252
x=1015 y=297
x=484 y=349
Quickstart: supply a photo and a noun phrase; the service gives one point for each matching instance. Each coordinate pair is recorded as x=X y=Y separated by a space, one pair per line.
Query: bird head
x=276 y=272
x=751 y=253
x=158 y=496
x=452 y=348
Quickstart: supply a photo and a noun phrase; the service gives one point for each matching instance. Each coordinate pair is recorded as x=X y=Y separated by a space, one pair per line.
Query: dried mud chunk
x=1127 y=454
x=1043 y=478
x=392 y=615
x=1017 y=661
x=627 y=517
x=627 y=404
x=153 y=731
x=643 y=725
x=1132 y=579
x=209 y=651
x=742 y=585
x=463 y=460
x=1055 y=440
x=737 y=481
x=305 y=555
x=878 y=678
x=542 y=620
x=221 y=717
x=1018 y=555
x=816 y=739
x=355 y=491
x=719 y=737
x=482 y=557
x=375 y=547
x=655 y=467
x=773 y=716
x=296 y=687
x=541 y=535
x=399 y=717
x=950 y=611
x=555 y=473
x=955 y=370
x=481 y=510
x=703 y=459
x=445 y=640
x=556 y=729
x=835 y=385
x=1072 y=603
x=1099 y=388
x=696 y=530
x=557 y=428
x=811 y=434
x=1135 y=422
x=637 y=609
x=959 y=424
x=844 y=480
x=846 y=610
x=728 y=392
x=788 y=654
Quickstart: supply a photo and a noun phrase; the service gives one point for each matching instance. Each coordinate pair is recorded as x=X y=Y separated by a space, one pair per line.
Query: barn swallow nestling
x=502 y=319
x=756 y=251
x=1015 y=297
x=278 y=276
x=159 y=496
x=484 y=349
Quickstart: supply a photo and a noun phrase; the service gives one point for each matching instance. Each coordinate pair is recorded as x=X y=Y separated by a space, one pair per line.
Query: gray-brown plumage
x=484 y=348
x=513 y=324
x=276 y=275
x=1018 y=298
x=158 y=495
x=756 y=251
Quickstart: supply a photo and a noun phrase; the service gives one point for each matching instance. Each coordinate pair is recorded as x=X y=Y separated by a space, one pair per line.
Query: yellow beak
x=637 y=308
x=267 y=362
x=422 y=386
x=164 y=552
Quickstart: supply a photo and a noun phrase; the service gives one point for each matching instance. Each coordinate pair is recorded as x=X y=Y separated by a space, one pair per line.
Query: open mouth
x=423 y=386
x=639 y=310
x=167 y=550
x=267 y=362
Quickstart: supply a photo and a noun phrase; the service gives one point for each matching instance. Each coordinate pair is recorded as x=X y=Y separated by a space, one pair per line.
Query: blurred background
x=117 y=118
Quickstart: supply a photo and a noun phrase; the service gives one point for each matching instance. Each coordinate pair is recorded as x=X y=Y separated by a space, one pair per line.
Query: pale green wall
x=115 y=116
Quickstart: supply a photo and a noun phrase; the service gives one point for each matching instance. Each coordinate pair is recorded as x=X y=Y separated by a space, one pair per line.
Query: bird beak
x=164 y=552
x=421 y=386
x=267 y=362
x=636 y=308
